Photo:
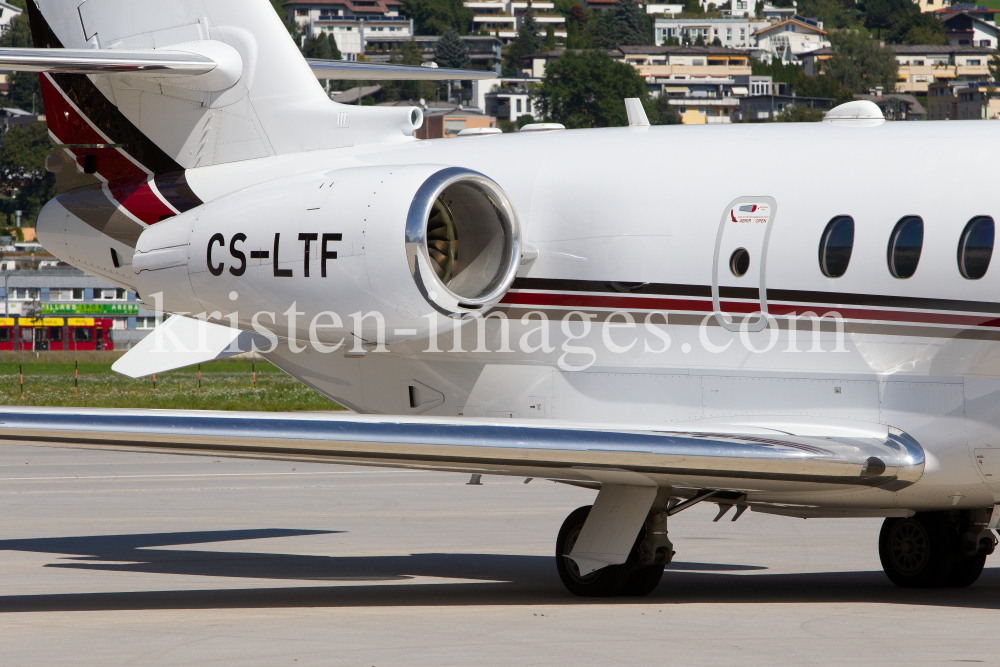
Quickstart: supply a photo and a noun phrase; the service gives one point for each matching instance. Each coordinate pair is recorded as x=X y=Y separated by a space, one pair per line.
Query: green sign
x=90 y=309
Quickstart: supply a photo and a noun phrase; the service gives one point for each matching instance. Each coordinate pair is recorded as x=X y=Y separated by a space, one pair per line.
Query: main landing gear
x=932 y=549
x=637 y=576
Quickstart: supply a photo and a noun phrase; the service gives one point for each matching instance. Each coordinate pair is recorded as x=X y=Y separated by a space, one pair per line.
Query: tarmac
x=112 y=558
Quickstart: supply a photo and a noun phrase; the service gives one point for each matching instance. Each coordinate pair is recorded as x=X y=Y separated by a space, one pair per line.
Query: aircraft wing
x=343 y=69
x=735 y=459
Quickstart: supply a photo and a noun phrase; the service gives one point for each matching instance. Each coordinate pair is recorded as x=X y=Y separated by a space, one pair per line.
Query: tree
x=22 y=171
x=529 y=25
x=588 y=89
x=834 y=14
x=860 y=63
x=410 y=54
x=821 y=86
x=994 y=65
x=602 y=31
x=577 y=35
x=902 y=22
x=630 y=23
x=668 y=115
x=525 y=44
x=433 y=17
x=796 y=113
x=550 y=37
x=451 y=51
x=322 y=46
x=23 y=89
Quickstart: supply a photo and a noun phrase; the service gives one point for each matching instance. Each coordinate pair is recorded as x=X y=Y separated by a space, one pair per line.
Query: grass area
x=992 y=4
x=225 y=385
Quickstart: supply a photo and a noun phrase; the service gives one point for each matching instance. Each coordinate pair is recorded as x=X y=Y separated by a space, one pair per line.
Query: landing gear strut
x=932 y=549
x=637 y=576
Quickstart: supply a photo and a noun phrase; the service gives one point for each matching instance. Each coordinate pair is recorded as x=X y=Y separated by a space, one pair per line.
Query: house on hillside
x=789 y=40
x=965 y=29
x=350 y=22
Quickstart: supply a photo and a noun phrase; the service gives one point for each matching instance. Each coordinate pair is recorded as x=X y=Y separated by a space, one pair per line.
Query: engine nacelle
x=423 y=245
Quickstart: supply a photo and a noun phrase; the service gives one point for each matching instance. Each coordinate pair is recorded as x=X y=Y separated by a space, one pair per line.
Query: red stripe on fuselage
x=624 y=302
x=127 y=182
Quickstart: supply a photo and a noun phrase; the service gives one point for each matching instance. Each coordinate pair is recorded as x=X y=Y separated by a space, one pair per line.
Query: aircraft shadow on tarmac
x=495 y=578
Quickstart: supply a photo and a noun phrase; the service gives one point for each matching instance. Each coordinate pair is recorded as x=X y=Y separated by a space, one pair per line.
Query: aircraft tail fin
x=260 y=98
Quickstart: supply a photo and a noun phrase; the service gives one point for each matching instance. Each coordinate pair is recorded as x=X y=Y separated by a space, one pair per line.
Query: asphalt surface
x=110 y=558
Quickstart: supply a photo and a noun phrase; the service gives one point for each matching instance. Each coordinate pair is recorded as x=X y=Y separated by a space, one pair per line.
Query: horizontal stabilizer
x=105 y=61
x=183 y=341
x=343 y=69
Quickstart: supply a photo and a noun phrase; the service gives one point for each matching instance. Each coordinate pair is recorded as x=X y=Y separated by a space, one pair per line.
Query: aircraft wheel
x=605 y=582
x=643 y=580
x=917 y=552
x=965 y=572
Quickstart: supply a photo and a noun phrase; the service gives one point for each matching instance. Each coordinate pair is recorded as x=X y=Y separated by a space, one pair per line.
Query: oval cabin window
x=739 y=262
x=905 y=245
x=975 y=247
x=835 y=246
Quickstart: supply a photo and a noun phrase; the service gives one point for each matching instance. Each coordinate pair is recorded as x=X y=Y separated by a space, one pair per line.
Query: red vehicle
x=55 y=333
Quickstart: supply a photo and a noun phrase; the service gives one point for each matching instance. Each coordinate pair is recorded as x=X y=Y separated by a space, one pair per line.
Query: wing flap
x=531 y=448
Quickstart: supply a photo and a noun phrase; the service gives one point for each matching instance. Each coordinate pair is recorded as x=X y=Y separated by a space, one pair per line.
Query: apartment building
x=922 y=65
x=503 y=18
x=737 y=33
x=948 y=100
x=350 y=22
x=684 y=62
x=942 y=103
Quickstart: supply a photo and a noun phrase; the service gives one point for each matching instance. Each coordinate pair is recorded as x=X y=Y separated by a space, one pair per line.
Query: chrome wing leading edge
x=889 y=459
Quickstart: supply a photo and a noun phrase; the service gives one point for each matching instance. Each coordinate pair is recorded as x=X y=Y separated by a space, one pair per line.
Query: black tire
x=918 y=552
x=965 y=572
x=643 y=581
x=605 y=582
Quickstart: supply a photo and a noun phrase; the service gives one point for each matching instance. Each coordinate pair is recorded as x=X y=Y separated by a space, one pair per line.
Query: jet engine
x=312 y=255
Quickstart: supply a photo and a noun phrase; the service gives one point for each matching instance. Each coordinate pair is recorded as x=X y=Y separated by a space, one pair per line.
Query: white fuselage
x=628 y=220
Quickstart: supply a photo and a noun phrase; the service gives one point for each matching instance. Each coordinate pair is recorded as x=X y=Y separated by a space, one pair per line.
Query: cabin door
x=739 y=286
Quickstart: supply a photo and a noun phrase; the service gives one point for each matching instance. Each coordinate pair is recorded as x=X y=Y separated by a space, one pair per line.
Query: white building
x=965 y=29
x=736 y=33
x=503 y=18
x=789 y=40
x=777 y=13
x=7 y=14
x=746 y=8
x=350 y=22
x=660 y=10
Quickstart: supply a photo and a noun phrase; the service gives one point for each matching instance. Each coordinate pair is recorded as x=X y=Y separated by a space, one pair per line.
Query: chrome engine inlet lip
x=431 y=287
